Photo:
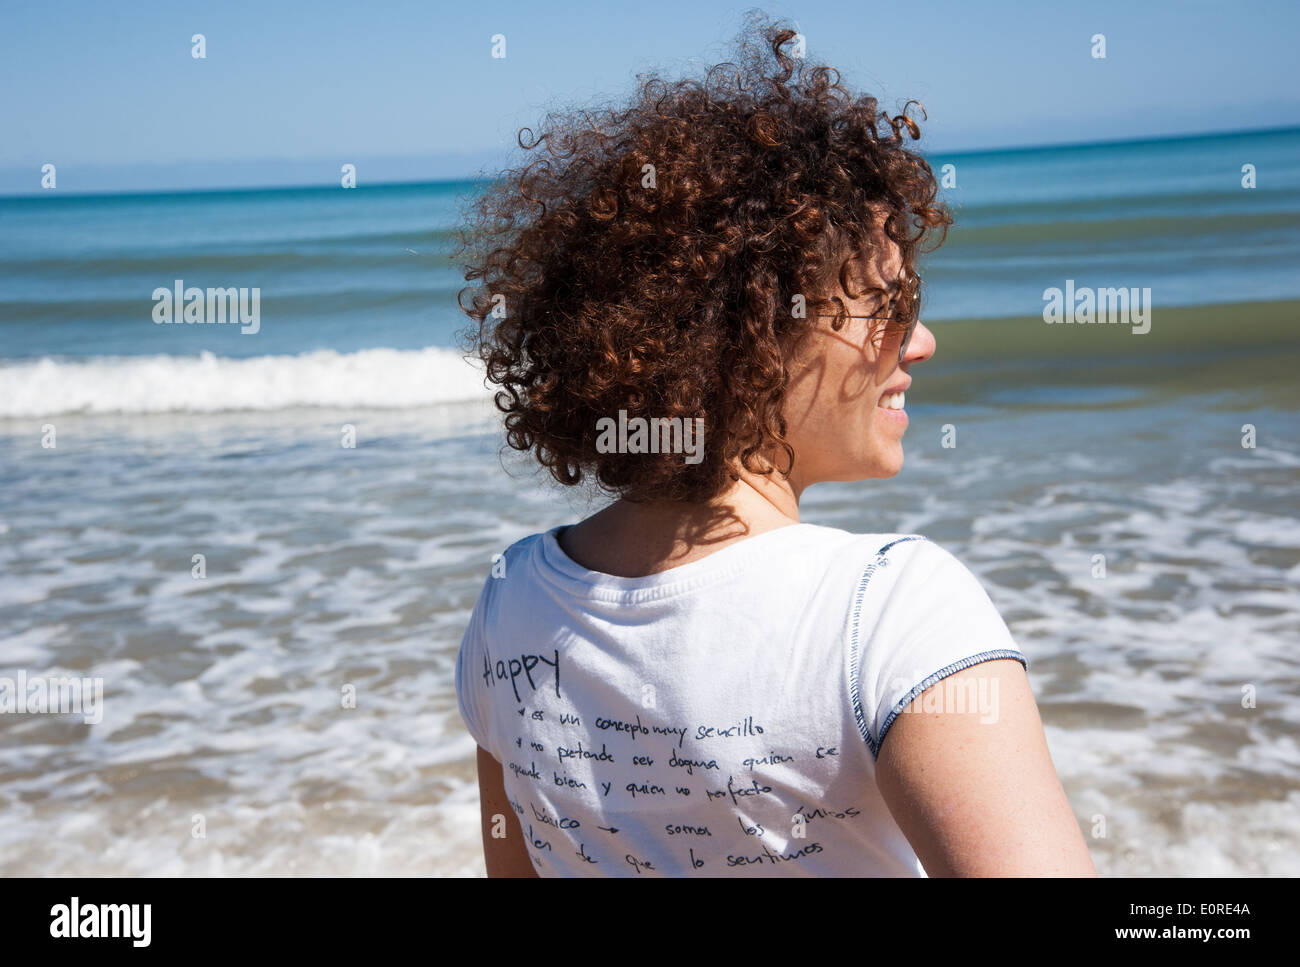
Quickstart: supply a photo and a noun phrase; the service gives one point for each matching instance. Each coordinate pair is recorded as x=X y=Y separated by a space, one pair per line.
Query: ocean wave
x=301 y=250
x=206 y=383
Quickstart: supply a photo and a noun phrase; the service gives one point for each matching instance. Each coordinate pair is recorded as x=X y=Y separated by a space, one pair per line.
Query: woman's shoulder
x=916 y=551
x=521 y=551
x=872 y=546
x=921 y=568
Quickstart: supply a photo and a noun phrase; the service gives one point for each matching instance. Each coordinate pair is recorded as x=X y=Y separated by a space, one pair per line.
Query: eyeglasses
x=891 y=312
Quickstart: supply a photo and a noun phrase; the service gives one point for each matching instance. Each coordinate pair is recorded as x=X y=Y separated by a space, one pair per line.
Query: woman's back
x=721 y=718
x=735 y=256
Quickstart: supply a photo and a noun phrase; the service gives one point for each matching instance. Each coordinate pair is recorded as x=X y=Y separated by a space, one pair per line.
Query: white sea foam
x=370 y=378
x=1166 y=681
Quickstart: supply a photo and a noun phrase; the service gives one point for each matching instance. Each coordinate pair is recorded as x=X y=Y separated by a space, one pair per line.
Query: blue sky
x=408 y=90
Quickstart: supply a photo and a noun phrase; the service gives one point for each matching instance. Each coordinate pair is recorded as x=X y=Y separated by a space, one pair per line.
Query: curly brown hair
x=651 y=259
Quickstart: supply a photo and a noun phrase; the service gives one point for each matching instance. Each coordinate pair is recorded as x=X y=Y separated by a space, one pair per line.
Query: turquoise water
x=343 y=270
x=1169 y=215
x=369 y=267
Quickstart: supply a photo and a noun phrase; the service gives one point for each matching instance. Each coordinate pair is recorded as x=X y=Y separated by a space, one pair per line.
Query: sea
x=264 y=540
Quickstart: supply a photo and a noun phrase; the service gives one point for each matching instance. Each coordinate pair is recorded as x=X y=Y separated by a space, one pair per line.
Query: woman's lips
x=891 y=405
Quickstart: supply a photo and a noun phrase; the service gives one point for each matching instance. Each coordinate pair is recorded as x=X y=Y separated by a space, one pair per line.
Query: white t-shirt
x=721 y=718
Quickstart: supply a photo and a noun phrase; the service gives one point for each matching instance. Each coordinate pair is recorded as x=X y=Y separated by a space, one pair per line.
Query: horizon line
x=475 y=179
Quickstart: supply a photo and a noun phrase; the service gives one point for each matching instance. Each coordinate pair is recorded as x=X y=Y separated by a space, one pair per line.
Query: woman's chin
x=878 y=467
x=889 y=463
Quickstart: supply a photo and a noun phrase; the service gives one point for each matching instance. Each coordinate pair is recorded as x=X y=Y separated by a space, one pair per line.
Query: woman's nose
x=922 y=345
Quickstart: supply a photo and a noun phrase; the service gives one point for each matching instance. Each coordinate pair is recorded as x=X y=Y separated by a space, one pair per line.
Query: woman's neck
x=629 y=539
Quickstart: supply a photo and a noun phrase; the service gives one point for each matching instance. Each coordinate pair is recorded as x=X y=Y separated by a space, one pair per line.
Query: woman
x=705 y=302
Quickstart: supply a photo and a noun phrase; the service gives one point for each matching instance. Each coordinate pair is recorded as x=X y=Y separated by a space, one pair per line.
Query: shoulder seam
x=903 y=540
x=855 y=695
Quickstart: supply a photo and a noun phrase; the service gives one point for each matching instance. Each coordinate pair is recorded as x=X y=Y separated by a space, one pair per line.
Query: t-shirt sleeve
x=469 y=661
x=934 y=620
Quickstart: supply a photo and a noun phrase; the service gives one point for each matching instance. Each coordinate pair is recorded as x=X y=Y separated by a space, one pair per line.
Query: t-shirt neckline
x=721 y=564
